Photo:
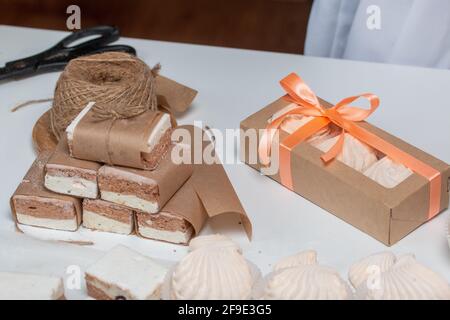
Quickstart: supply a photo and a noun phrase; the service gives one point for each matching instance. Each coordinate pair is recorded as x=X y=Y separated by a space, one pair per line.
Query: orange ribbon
x=344 y=116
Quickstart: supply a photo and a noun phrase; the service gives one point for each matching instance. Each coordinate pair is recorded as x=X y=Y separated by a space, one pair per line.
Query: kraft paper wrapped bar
x=108 y=217
x=136 y=142
x=208 y=193
x=147 y=191
x=387 y=214
x=32 y=204
x=172 y=224
x=67 y=175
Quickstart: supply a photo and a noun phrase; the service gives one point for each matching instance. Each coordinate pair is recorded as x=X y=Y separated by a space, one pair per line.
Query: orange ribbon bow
x=344 y=116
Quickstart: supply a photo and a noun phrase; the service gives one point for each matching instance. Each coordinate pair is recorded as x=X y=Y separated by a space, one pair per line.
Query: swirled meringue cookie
x=300 y=277
x=361 y=270
x=405 y=280
x=307 y=282
x=300 y=259
x=388 y=173
x=214 y=270
x=355 y=154
x=294 y=122
x=216 y=240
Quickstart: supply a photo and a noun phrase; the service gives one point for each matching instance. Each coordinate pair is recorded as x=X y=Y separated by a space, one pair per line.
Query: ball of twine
x=121 y=85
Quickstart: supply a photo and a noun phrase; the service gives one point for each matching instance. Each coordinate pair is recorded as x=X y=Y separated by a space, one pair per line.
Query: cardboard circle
x=43 y=137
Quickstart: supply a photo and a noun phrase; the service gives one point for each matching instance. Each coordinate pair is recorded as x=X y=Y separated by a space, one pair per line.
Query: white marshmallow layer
x=130 y=201
x=176 y=237
x=56 y=224
x=95 y=221
x=73 y=186
x=19 y=286
x=71 y=128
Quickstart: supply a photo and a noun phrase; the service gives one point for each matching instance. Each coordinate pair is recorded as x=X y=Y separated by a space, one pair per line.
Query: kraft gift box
x=388 y=215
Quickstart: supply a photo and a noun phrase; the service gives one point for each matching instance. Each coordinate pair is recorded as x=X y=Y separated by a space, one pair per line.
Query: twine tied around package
x=121 y=85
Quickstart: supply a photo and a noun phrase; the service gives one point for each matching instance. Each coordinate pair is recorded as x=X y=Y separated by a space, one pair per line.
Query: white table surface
x=233 y=84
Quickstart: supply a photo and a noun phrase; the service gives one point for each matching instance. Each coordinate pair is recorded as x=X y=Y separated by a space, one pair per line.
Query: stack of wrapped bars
x=73 y=186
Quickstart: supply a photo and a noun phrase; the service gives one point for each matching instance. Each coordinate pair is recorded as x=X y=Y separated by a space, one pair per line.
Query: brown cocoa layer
x=71 y=173
x=97 y=293
x=163 y=221
x=44 y=207
x=109 y=210
x=94 y=291
x=152 y=159
x=114 y=183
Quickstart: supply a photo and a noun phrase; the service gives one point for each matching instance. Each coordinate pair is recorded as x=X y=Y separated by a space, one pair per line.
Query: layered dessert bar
x=123 y=274
x=147 y=191
x=71 y=176
x=173 y=223
x=137 y=142
x=22 y=286
x=106 y=216
x=32 y=204
x=164 y=226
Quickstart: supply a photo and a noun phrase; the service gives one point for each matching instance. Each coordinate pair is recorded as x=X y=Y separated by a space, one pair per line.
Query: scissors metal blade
x=57 y=57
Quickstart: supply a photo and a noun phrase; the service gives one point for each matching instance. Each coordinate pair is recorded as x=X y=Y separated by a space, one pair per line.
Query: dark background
x=273 y=25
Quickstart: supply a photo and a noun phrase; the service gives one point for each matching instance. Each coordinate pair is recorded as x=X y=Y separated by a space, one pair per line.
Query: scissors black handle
x=58 y=56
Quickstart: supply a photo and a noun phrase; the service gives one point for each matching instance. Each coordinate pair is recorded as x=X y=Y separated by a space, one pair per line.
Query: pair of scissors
x=58 y=56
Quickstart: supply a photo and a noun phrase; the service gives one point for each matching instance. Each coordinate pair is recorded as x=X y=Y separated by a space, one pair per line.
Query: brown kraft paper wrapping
x=126 y=139
x=61 y=157
x=169 y=177
x=388 y=215
x=33 y=185
x=207 y=194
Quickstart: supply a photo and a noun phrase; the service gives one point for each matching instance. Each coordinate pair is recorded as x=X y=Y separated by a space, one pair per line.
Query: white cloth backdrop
x=412 y=32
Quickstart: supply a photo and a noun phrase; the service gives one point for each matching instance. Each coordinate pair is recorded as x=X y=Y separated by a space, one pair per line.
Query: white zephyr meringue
x=299 y=277
x=307 y=282
x=213 y=271
x=300 y=259
x=294 y=122
x=361 y=270
x=405 y=280
x=212 y=240
x=388 y=173
x=355 y=154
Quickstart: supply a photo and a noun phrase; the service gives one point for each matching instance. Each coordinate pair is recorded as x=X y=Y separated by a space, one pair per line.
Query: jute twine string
x=121 y=85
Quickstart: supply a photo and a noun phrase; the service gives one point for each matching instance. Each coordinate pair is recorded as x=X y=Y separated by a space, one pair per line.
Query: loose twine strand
x=121 y=85
x=29 y=103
